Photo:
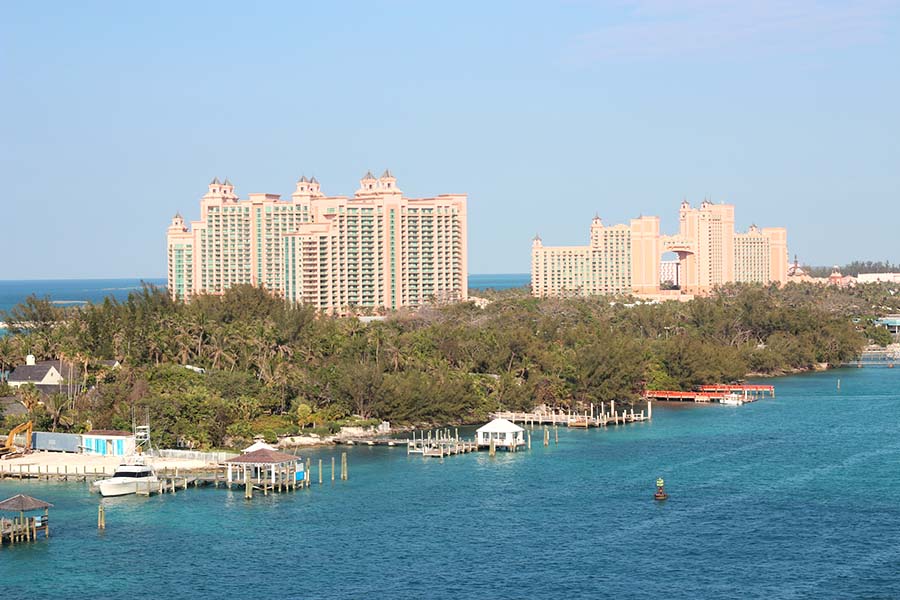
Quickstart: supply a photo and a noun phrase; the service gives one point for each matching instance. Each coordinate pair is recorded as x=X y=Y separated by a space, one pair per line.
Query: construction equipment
x=10 y=450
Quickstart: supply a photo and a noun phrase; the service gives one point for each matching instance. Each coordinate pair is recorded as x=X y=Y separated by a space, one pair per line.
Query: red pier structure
x=745 y=389
x=714 y=393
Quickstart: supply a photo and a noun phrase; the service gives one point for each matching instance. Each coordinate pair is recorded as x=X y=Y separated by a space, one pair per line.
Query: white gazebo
x=505 y=434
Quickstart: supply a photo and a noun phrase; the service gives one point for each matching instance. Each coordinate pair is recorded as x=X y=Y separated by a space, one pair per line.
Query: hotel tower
x=377 y=250
x=624 y=259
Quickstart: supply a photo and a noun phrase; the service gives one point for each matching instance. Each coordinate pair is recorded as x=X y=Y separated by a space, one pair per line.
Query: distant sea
x=72 y=292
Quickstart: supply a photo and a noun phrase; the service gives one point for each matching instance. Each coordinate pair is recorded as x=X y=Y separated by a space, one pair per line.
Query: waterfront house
x=504 y=434
x=108 y=442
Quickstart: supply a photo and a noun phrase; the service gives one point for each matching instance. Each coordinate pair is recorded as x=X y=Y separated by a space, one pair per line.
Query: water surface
x=792 y=497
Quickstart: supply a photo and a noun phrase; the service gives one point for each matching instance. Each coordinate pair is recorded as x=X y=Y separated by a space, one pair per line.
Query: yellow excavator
x=10 y=450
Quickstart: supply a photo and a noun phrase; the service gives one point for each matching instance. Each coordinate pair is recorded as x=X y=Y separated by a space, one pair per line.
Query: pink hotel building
x=376 y=250
x=626 y=259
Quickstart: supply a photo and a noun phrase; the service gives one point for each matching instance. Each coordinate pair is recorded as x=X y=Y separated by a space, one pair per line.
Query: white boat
x=127 y=479
x=731 y=399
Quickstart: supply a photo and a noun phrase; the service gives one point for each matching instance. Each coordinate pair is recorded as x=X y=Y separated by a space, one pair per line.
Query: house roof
x=21 y=502
x=263 y=457
x=500 y=426
x=30 y=373
x=109 y=433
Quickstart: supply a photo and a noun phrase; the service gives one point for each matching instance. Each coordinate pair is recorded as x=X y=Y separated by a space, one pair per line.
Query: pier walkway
x=594 y=417
x=714 y=393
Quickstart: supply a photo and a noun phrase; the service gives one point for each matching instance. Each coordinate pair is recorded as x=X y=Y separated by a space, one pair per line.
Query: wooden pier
x=595 y=416
x=713 y=393
x=440 y=444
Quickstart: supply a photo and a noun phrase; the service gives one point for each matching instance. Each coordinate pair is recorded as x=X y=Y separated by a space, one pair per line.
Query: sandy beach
x=64 y=462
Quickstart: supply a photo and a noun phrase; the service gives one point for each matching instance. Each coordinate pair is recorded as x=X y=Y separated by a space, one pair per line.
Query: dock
x=886 y=358
x=440 y=444
x=713 y=393
x=595 y=416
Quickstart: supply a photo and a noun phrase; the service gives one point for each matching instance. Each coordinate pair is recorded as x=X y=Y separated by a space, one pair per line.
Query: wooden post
x=491 y=449
x=529 y=440
x=546 y=436
x=46 y=523
x=649 y=410
x=320 y=471
x=344 y=473
x=101 y=517
x=556 y=433
x=332 y=469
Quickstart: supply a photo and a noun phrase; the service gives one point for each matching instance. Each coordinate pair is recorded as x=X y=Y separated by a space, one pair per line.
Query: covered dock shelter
x=24 y=528
x=265 y=469
x=502 y=433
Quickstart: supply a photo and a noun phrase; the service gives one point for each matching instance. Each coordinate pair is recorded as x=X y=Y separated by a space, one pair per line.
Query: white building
x=504 y=434
x=878 y=278
x=108 y=442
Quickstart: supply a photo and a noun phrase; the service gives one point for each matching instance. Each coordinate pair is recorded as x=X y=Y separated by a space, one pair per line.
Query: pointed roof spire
x=313 y=179
x=215 y=181
x=303 y=179
x=226 y=182
x=177 y=215
x=368 y=175
x=387 y=173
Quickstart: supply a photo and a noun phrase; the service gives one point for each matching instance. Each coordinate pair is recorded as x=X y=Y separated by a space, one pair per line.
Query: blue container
x=55 y=442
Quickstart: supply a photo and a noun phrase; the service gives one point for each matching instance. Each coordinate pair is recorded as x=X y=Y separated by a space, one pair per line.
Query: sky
x=117 y=114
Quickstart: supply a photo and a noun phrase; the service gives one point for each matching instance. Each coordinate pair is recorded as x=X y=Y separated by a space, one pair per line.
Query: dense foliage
x=273 y=369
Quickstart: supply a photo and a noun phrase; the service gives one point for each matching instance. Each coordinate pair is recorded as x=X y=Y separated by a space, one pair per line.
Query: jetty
x=714 y=393
x=594 y=416
x=886 y=357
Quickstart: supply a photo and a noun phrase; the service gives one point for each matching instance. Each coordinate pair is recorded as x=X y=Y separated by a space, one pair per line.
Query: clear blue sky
x=117 y=114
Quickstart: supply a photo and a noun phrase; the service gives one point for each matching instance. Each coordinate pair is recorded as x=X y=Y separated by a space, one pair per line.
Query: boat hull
x=124 y=486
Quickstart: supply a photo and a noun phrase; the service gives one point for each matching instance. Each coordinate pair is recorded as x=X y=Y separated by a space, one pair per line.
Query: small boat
x=126 y=480
x=660 y=495
x=731 y=399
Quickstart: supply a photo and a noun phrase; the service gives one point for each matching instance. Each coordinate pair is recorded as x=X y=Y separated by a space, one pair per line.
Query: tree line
x=273 y=368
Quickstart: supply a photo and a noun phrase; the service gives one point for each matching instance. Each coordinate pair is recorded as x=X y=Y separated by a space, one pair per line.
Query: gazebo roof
x=500 y=426
x=263 y=457
x=257 y=446
x=21 y=502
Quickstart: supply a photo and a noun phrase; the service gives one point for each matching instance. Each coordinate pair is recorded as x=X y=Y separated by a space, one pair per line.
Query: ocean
x=790 y=497
x=72 y=292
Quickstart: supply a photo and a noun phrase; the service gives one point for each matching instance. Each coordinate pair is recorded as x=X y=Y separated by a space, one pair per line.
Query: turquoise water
x=499 y=281
x=792 y=497
x=69 y=292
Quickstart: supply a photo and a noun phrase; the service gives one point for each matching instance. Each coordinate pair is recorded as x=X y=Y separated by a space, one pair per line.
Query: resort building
x=668 y=272
x=375 y=250
x=608 y=265
x=628 y=258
